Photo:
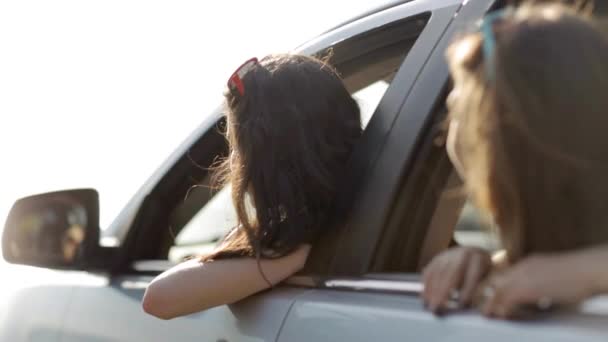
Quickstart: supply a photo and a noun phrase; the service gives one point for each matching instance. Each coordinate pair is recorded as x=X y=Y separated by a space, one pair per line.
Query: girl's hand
x=541 y=281
x=454 y=274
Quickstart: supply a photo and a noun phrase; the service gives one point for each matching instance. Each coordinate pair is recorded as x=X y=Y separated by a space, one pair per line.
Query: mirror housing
x=55 y=230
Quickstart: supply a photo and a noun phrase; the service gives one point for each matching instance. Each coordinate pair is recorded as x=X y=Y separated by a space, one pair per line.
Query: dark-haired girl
x=291 y=126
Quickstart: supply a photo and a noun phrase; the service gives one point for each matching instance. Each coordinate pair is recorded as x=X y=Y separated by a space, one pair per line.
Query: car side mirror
x=55 y=230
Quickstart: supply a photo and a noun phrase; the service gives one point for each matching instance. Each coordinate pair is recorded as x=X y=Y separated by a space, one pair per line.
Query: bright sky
x=98 y=93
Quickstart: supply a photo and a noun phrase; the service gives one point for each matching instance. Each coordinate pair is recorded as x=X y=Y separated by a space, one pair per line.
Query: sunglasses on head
x=489 y=40
x=235 y=82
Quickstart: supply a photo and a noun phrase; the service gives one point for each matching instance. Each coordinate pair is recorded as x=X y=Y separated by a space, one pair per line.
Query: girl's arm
x=545 y=279
x=595 y=263
x=195 y=286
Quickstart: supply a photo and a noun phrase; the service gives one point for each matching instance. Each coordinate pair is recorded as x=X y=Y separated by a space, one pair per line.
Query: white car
x=360 y=282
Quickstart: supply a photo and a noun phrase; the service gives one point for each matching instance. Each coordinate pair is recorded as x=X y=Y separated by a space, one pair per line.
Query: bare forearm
x=593 y=265
x=195 y=286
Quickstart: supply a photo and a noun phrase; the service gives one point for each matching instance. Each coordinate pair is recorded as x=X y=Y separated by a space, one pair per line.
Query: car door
x=33 y=303
x=371 y=292
x=368 y=52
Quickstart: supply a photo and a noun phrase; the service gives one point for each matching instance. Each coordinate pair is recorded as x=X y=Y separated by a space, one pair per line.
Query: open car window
x=213 y=220
x=208 y=226
x=367 y=72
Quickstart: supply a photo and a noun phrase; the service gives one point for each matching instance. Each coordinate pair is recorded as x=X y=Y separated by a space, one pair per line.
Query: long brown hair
x=290 y=134
x=533 y=128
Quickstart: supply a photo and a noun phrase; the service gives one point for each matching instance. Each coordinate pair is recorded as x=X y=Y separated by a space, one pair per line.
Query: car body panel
x=330 y=315
x=34 y=302
x=111 y=311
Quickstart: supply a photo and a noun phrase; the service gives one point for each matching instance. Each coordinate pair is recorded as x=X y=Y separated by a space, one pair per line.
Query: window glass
x=206 y=228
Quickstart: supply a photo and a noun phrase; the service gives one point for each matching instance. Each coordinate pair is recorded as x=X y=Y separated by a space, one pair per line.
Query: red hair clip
x=236 y=80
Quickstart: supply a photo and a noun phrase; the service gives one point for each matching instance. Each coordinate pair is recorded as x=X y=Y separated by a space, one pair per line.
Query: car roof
x=381 y=6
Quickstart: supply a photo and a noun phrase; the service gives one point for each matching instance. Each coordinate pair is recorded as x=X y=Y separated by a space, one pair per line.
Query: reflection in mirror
x=46 y=229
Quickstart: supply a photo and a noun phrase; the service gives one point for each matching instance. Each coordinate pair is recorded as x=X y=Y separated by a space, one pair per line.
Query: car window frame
x=410 y=27
x=350 y=66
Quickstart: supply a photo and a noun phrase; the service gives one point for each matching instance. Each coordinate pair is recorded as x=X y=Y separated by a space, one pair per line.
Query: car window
x=367 y=62
x=208 y=226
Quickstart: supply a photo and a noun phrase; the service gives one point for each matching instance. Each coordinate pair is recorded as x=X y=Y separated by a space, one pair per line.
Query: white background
x=98 y=93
